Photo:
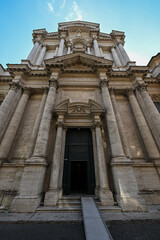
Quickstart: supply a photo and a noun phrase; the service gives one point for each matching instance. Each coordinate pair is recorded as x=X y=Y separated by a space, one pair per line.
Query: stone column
x=61 y=46
x=36 y=124
x=10 y=112
x=43 y=134
x=56 y=51
x=33 y=51
x=101 y=52
x=52 y=195
x=41 y=55
x=69 y=49
x=88 y=49
x=115 y=57
x=114 y=137
x=10 y=133
x=34 y=59
x=152 y=110
x=123 y=62
x=7 y=104
x=104 y=192
x=123 y=52
x=120 y=125
x=62 y=160
x=96 y=47
x=95 y=161
x=147 y=138
x=31 y=186
x=148 y=118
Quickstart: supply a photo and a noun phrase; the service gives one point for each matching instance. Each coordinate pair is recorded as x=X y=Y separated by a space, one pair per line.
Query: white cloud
x=140 y=59
x=50 y=7
x=75 y=13
x=63 y=4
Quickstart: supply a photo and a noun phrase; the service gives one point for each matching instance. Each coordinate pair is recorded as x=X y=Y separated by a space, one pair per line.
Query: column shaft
x=9 y=113
x=69 y=49
x=41 y=56
x=148 y=118
x=56 y=51
x=52 y=195
x=95 y=160
x=13 y=126
x=36 y=125
x=33 y=51
x=104 y=192
x=7 y=102
x=120 y=125
x=115 y=57
x=152 y=110
x=96 y=48
x=43 y=134
x=62 y=160
x=61 y=47
x=123 y=52
x=34 y=59
x=143 y=127
x=114 y=137
x=123 y=62
x=101 y=52
x=88 y=49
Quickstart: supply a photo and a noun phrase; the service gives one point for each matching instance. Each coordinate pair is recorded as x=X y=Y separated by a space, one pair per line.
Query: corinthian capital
x=103 y=83
x=129 y=92
x=14 y=86
x=27 y=90
x=53 y=82
x=142 y=87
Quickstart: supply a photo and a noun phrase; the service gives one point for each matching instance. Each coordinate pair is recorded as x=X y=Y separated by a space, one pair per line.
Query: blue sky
x=139 y=19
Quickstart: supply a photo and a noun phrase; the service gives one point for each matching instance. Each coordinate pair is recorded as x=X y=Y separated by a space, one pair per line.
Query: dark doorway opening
x=78 y=173
x=78 y=177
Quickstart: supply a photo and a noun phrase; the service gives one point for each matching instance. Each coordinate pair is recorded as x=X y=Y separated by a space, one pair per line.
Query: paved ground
x=138 y=230
x=49 y=231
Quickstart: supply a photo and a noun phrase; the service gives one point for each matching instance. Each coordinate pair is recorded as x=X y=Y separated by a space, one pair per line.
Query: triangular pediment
x=78 y=59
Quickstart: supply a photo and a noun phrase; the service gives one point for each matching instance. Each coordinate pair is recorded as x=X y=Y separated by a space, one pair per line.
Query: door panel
x=78 y=162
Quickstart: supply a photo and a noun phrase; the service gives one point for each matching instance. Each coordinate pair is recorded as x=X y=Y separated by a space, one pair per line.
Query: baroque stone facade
x=78 y=117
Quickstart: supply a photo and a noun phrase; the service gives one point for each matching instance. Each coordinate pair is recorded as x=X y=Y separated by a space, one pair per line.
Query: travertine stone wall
x=135 y=143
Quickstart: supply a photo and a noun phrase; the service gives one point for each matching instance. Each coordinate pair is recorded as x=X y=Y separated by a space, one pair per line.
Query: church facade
x=79 y=118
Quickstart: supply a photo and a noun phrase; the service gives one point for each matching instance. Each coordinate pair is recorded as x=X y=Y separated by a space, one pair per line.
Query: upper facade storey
x=78 y=40
x=78 y=36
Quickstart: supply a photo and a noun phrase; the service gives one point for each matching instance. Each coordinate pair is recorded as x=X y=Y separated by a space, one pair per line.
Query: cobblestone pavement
x=32 y=231
x=138 y=230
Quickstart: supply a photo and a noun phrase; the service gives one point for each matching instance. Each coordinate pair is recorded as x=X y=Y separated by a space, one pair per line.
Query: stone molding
x=156 y=98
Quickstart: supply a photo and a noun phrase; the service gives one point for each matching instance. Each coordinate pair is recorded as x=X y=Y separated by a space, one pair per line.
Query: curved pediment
x=80 y=108
x=78 y=58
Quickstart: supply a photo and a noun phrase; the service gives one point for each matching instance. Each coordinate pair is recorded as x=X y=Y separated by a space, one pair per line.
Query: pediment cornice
x=80 y=108
x=78 y=58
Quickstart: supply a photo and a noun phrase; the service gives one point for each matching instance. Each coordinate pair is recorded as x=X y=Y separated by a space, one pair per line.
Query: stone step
x=69 y=203
x=59 y=209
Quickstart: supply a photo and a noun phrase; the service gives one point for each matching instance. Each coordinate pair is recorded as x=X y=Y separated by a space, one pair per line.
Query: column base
x=27 y=204
x=106 y=197
x=129 y=203
x=51 y=197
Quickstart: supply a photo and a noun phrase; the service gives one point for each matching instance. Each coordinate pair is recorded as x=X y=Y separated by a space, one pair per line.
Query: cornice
x=38 y=73
x=13 y=68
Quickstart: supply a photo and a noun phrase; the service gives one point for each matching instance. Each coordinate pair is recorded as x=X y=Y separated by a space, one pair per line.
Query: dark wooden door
x=78 y=174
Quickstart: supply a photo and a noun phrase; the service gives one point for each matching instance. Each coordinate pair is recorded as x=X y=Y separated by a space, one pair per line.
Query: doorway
x=78 y=172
